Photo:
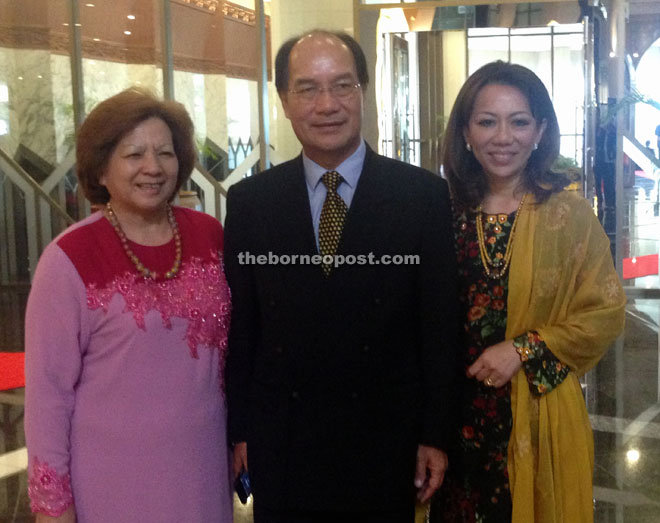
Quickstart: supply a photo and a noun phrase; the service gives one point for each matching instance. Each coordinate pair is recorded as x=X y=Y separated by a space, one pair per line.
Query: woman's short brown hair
x=112 y=119
x=467 y=180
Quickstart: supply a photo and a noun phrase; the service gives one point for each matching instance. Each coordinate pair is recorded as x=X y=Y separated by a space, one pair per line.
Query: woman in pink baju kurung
x=125 y=412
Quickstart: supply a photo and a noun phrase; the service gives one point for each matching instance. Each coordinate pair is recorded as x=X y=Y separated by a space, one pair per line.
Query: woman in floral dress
x=542 y=303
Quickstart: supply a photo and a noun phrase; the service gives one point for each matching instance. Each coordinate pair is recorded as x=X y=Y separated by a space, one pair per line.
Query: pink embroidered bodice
x=199 y=293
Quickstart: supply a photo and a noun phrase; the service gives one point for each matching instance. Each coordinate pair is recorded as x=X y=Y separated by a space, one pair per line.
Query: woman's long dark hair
x=464 y=173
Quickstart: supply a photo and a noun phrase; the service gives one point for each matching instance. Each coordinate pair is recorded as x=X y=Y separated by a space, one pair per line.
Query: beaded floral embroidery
x=49 y=492
x=199 y=294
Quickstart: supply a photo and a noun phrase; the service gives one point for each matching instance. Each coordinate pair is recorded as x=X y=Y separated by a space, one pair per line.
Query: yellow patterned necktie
x=333 y=215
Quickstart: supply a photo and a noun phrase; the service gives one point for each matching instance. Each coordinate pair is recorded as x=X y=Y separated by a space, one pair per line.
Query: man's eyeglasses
x=311 y=93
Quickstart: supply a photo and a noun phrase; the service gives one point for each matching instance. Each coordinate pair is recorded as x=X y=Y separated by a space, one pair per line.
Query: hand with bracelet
x=497 y=364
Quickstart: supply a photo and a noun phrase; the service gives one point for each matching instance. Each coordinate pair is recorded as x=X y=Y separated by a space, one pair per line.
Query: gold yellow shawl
x=562 y=283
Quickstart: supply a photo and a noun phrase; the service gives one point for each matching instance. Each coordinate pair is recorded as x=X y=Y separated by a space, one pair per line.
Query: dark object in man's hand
x=242 y=487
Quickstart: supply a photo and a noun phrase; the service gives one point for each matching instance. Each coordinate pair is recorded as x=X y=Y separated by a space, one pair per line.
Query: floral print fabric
x=544 y=371
x=476 y=488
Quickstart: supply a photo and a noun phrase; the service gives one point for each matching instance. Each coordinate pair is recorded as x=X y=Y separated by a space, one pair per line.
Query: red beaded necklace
x=144 y=271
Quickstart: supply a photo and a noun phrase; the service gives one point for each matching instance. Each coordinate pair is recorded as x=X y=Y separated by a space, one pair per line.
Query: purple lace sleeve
x=49 y=492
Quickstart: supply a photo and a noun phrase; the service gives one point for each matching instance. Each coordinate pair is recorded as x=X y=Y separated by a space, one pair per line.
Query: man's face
x=328 y=125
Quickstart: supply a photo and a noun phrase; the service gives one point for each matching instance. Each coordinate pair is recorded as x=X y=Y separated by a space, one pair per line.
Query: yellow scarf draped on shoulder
x=562 y=283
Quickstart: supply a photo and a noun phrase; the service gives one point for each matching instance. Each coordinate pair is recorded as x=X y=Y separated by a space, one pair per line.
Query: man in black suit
x=339 y=375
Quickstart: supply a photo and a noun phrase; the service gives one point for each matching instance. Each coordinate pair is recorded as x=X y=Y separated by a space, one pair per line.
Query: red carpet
x=12 y=373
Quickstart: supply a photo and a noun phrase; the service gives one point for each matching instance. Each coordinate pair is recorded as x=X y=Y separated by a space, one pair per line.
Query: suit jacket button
x=295 y=395
x=279 y=349
x=272 y=302
x=366 y=349
x=354 y=395
x=377 y=301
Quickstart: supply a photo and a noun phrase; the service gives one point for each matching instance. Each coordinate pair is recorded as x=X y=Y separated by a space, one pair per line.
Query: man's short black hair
x=282 y=58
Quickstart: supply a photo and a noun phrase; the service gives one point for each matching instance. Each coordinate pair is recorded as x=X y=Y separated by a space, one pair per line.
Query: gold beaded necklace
x=497 y=268
x=144 y=271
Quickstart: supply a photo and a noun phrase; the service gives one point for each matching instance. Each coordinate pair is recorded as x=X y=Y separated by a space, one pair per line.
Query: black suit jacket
x=333 y=382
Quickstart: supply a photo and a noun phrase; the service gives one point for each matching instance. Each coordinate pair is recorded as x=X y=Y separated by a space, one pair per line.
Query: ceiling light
x=89 y=5
x=131 y=17
x=127 y=33
x=96 y=39
x=632 y=456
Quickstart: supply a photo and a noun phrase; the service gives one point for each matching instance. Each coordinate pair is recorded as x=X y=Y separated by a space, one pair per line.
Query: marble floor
x=622 y=395
x=623 y=392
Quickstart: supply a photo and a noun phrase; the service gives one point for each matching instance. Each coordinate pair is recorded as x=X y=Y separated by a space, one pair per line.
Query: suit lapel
x=363 y=229
x=293 y=228
x=294 y=224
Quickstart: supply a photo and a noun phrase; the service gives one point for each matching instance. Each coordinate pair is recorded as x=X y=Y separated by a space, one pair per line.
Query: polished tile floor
x=622 y=394
x=624 y=400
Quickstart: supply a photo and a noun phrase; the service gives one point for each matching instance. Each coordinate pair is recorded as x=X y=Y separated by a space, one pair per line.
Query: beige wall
x=215 y=105
x=454 y=59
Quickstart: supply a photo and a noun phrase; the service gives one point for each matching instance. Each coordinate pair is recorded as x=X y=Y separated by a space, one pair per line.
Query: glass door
x=626 y=415
x=400 y=96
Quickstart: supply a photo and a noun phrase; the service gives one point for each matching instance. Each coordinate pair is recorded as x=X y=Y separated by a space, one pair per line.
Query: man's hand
x=431 y=467
x=240 y=458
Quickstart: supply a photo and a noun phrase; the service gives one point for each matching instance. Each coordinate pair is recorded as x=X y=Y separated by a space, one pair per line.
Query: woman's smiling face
x=141 y=175
x=502 y=133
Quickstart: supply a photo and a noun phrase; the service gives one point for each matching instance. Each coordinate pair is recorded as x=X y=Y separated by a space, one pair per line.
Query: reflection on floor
x=622 y=394
x=624 y=400
x=626 y=420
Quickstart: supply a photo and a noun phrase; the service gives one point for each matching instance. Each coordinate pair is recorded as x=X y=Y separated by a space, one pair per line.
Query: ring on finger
x=488 y=382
